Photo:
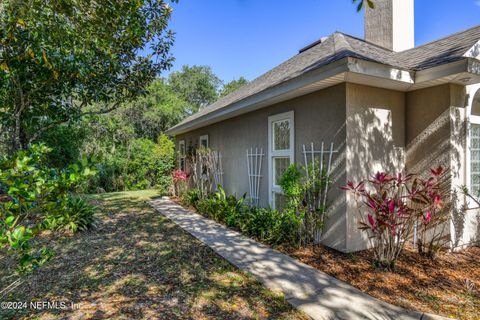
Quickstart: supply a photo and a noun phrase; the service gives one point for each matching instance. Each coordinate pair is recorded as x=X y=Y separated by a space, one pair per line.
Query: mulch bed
x=448 y=285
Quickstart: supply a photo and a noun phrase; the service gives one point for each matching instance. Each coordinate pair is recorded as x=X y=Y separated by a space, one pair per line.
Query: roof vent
x=313 y=44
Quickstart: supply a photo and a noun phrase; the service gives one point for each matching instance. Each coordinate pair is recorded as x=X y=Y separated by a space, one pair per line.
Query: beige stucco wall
x=319 y=116
x=374 y=130
x=375 y=142
x=436 y=135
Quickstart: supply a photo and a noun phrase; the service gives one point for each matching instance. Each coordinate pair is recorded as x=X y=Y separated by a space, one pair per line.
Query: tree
x=232 y=86
x=197 y=85
x=59 y=57
x=157 y=111
x=361 y=4
x=65 y=142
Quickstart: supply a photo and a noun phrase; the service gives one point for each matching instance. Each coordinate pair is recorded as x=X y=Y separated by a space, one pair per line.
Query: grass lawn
x=136 y=264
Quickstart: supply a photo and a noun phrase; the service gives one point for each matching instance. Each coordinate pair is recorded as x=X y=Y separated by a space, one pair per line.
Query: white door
x=281 y=153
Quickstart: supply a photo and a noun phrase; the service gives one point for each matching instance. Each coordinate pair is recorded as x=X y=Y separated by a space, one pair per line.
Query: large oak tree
x=60 y=59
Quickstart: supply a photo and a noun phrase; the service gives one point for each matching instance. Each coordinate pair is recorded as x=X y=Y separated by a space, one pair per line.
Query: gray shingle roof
x=338 y=46
x=445 y=50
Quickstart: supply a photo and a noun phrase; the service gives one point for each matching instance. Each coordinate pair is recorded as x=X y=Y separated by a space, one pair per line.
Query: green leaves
x=197 y=85
x=58 y=57
x=9 y=221
x=306 y=194
x=29 y=193
x=18 y=237
x=361 y=4
x=270 y=226
x=32 y=261
x=232 y=86
x=74 y=215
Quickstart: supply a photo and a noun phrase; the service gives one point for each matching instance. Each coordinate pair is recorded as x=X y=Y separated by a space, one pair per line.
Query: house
x=385 y=104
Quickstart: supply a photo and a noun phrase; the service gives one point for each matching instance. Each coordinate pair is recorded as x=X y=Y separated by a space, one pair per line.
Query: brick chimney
x=390 y=24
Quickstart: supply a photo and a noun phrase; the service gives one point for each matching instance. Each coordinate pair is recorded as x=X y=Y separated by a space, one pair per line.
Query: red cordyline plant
x=179 y=181
x=389 y=206
x=179 y=175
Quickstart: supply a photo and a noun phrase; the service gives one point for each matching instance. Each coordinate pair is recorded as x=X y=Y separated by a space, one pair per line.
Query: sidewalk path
x=317 y=294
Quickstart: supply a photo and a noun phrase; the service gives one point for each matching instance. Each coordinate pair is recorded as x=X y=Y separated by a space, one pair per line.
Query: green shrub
x=272 y=226
x=30 y=191
x=65 y=142
x=221 y=207
x=306 y=191
x=191 y=197
x=140 y=165
x=269 y=226
x=207 y=206
x=75 y=215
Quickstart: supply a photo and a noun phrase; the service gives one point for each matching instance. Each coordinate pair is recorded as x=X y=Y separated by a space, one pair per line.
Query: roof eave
x=392 y=78
x=465 y=71
x=263 y=98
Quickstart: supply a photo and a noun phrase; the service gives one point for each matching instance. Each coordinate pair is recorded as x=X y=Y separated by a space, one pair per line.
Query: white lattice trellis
x=254 y=167
x=207 y=170
x=322 y=158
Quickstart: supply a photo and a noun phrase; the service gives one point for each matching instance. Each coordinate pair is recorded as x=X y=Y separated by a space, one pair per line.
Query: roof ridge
x=314 y=44
x=364 y=41
x=440 y=39
x=340 y=42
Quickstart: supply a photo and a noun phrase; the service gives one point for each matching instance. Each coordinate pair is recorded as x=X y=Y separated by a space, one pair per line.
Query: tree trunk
x=20 y=104
x=16 y=140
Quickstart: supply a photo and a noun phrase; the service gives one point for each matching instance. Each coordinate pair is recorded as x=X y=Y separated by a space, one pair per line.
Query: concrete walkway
x=317 y=294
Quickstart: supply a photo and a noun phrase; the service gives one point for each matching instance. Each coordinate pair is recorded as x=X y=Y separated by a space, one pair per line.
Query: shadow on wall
x=375 y=143
x=335 y=219
x=457 y=154
x=372 y=146
x=431 y=147
x=442 y=143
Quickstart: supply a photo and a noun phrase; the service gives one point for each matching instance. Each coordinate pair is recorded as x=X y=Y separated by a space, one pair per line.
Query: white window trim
x=203 y=138
x=279 y=153
x=471 y=119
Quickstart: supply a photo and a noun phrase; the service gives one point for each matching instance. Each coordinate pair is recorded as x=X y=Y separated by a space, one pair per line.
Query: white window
x=181 y=155
x=473 y=147
x=204 y=141
x=281 y=153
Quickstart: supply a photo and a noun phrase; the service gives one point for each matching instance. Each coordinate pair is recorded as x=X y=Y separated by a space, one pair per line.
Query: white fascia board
x=379 y=70
x=441 y=71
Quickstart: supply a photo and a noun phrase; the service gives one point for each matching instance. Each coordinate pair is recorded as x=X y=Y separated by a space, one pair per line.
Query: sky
x=249 y=37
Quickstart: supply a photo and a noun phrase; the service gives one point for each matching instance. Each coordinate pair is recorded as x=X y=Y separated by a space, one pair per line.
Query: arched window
x=474 y=146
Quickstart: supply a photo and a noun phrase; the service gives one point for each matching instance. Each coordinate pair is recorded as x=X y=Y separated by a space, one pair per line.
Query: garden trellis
x=217 y=168
x=319 y=162
x=207 y=170
x=254 y=166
